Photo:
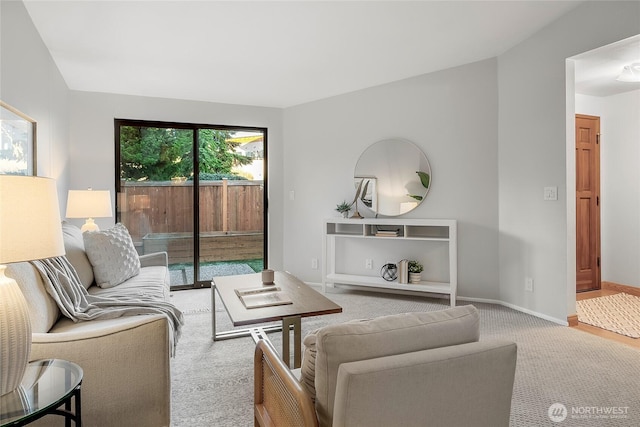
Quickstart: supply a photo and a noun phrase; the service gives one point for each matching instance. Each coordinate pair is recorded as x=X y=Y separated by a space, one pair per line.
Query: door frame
x=196 y=182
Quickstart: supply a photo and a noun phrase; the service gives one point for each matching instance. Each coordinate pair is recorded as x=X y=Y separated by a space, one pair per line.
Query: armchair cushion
x=464 y=385
x=151 y=284
x=112 y=254
x=383 y=336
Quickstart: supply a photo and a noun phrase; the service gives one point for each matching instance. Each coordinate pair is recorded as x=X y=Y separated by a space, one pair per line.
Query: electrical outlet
x=528 y=284
x=314 y=263
x=368 y=263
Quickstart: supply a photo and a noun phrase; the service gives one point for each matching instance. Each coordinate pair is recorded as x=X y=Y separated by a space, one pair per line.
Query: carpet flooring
x=184 y=276
x=594 y=380
x=619 y=313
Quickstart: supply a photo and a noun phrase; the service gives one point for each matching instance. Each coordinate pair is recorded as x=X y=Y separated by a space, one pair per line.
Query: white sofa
x=125 y=360
x=411 y=369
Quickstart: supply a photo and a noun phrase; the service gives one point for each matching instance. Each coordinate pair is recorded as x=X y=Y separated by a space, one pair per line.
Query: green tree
x=217 y=152
x=155 y=154
x=158 y=154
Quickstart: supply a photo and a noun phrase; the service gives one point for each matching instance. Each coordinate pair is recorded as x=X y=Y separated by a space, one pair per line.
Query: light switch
x=550 y=193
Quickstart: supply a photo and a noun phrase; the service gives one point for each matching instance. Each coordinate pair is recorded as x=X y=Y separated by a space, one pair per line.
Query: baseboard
x=611 y=286
x=517 y=308
x=470 y=299
x=314 y=284
x=572 y=320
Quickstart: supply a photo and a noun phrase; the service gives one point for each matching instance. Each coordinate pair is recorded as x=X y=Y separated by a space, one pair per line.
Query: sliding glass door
x=232 y=224
x=196 y=192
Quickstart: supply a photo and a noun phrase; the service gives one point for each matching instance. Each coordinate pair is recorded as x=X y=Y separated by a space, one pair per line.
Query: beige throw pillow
x=74 y=248
x=112 y=254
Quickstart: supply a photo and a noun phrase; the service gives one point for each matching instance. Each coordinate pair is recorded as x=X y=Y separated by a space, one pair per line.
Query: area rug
x=619 y=313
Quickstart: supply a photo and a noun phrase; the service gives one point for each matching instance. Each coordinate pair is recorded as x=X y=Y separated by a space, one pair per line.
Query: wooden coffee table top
x=306 y=301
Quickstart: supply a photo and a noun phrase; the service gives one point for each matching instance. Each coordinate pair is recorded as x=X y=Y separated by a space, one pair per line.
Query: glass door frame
x=118 y=122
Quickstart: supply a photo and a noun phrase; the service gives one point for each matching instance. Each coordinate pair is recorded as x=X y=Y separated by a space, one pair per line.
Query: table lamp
x=29 y=229
x=89 y=204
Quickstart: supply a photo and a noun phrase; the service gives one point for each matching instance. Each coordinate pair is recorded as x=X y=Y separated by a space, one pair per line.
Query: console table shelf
x=376 y=231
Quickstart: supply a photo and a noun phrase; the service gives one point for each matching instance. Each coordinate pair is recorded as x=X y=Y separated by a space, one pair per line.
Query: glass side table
x=47 y=386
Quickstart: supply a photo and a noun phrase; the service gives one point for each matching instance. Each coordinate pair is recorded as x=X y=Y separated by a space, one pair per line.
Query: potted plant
x=343 y=208
x=415 y=271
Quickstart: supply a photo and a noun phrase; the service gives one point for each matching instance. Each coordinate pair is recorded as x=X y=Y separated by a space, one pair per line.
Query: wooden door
x=587 y=203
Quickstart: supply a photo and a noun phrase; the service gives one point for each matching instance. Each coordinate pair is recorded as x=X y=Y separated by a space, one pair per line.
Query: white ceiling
x=275 y=54
x=596 y=70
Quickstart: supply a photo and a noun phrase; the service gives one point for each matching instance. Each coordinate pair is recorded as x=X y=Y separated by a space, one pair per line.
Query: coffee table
x=305 y=302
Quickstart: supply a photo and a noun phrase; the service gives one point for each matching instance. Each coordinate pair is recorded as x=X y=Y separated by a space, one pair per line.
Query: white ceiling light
x=630 y=73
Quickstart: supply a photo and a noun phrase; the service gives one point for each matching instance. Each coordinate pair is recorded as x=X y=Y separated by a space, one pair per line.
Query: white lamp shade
x=29 y=219
x=89 y=204
x=29 y=229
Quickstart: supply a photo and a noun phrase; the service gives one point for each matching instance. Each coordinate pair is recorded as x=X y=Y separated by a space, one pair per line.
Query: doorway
x=198 y=193
x=587 y=144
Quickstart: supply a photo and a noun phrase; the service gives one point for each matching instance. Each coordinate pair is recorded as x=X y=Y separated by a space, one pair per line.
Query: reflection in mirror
x=395 y=175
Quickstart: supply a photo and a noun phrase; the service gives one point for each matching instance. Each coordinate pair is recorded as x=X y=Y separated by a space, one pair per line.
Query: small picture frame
x=17 y=142
x=369 y=195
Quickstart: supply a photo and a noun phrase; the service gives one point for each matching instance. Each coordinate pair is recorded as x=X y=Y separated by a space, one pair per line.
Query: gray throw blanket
x=63 y=284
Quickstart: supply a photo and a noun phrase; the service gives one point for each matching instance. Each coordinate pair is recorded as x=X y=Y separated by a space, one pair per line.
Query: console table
x=352 y=247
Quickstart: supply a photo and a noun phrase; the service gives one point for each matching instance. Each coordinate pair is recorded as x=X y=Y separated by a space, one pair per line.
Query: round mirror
x=393 y=177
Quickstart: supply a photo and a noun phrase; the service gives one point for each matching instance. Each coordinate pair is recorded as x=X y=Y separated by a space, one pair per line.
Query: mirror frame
x=391 y=165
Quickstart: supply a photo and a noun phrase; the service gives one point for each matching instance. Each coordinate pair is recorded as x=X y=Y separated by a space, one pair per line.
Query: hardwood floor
x=606 y=290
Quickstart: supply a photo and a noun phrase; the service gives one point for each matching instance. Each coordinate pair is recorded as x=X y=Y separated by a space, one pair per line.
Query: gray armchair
x=413 y=369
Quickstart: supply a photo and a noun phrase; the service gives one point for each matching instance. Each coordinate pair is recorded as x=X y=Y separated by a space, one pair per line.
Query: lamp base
x=90 y=225
x=15 y=333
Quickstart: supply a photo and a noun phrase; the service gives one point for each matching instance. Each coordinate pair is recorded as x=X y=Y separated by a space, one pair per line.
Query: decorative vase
x=15 y=333
x=389 y=272
x=403 y=272
x=415 y=277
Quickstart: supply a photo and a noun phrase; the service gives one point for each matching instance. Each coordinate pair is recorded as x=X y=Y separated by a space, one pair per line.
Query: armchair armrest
x=279 y=398
x=159 y=259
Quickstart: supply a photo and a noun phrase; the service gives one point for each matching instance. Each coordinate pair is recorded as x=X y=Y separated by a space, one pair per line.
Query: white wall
x=496 y=133
x=75 y=140
x=31 y=82
x=621 y=190
x=92 y=149
x=533 y=154
x=620 y=183
x=591 y=106
x=451 y=115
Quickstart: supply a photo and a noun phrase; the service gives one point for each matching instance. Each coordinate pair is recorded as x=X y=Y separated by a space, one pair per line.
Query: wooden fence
x=163 y=212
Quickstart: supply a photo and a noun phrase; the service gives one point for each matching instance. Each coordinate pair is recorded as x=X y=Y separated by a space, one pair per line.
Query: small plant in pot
x=343 y=208
x=415 y=271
